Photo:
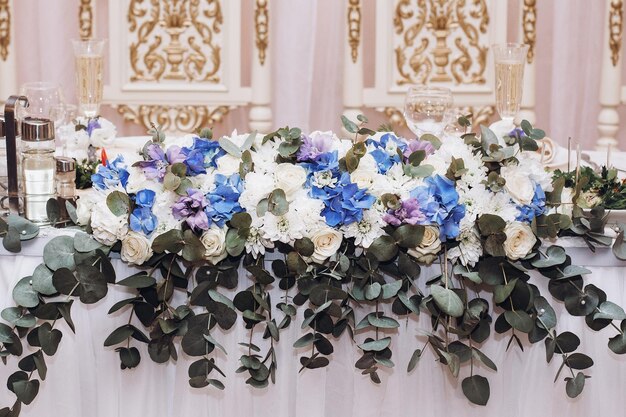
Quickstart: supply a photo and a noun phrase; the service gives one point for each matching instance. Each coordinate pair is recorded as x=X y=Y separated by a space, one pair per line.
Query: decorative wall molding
x=5 y=29
x=354 y=28
x=616 y=20
x=529 y=26
x=181 y=118
x=261 y=28
x=85 y=19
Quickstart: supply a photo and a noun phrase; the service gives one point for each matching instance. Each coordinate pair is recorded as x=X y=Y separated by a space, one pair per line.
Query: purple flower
x=92 y=125
x=155 y=167
x=408 y=213
x=191 y=209
x=419 y=145
x=176 y=154
x=311 y=148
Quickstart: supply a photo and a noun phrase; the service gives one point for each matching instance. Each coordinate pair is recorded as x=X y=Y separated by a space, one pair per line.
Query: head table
x=85 y=379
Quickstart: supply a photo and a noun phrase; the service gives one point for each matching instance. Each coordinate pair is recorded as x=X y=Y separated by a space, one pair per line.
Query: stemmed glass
x=509 y=59
x=425 y=109
x=43 y=98
x=89 y=60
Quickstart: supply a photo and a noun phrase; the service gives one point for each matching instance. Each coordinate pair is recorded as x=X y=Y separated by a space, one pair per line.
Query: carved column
x=86 y=19
x=260 y=111
x=529 y=35
x=8 y=65
x=610 y=81
x=353 y=63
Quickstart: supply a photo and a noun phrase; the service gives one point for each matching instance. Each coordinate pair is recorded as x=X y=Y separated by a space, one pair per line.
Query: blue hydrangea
x=202 y=154
x=141 y=219
x=224 y=200
x=439 y=201
x=344 y=203
x=386 y=151
x=111 y=174
x=536 y=208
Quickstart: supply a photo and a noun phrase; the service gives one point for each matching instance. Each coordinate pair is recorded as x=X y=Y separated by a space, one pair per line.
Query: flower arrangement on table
x=345 y=225
x=594 y=188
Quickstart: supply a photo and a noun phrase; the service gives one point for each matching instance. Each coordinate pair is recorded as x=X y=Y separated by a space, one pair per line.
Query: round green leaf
x=17 y=317
x=476 y=389
x=11 y=241
x=24 y=293
x=384 y=248
x=59 y=253
x=85 y=243
x=137 y=281
x=574 y=386
x=566 y=342
x=376 y=345
x=118 y=202
x=519 y=320
x=42 y=280
x=447 y=301
x=25 y=228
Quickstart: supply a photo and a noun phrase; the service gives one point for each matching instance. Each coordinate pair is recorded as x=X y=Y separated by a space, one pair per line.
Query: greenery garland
x=79 y=268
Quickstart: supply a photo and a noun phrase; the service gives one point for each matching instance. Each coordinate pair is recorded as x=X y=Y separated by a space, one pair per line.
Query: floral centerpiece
x=340 y=226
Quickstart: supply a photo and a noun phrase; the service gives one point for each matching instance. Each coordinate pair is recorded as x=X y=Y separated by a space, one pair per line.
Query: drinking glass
x=89 y=62
x=452 y=126
x=425 y=108
x=509 y=59
x=63 y=115
x=43 y=97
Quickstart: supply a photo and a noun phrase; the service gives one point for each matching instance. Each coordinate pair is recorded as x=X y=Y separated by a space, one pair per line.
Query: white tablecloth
x=85 y=379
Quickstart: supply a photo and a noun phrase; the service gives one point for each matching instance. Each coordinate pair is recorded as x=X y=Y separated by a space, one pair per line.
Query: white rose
x=228 y=165
x=363 y=178
x=136 y=248
x=326 y=242
x=428 y=250
x=107 y=227
x=214 y=241
x=368 y=163
x=520 y=240
x=137 y=181
x=290 y=178
x=85 y=205
x=103 y=136
x=518 y=184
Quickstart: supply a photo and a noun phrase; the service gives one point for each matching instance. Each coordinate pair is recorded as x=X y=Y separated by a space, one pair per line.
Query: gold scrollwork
x=261 y=28
x=480 y=115
x=175 y=40
x=529 y=27
x=85 y=19
x=422 y=29
x=354 y=28
x=181 y=118
x=5 y=29
x=616 y=16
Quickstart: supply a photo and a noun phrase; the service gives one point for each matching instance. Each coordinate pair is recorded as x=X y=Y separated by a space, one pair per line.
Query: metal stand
x=11 y=143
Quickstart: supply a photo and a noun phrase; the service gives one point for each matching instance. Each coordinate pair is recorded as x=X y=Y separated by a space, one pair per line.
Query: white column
x=528 y=21
x=8 y=66
x=610 y=87
x=261 y=79
x=353 y=63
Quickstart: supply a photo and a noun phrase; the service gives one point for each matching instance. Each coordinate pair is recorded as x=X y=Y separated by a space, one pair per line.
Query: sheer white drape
x=308 y=37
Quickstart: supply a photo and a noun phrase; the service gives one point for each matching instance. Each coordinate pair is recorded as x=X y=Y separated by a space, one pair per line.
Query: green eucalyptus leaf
x=26 y=391
x=25 y=228
x=376 y=345
x=118 y=202
x=18 y=317
x=447 y=300
x=384 y=248
x=230 y=147
x=11 y=241
x=137 y=281
x=304 y=341
x=476 y=389
x=59 y=253
x=24 y=294
x=519 y=320
x=382 y=322
x=574 y=386
x=609 y=310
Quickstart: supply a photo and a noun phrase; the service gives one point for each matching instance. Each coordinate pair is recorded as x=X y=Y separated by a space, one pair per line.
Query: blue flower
x=386 y=152
x=224 y=200
x=344 y=203
x=156 y=163
x=92 y=125
x=536 y=208
x=439 y=201
x=145 y=198
x=111 y=174
x=142 y=220
x=203 y=154
x=194 y=162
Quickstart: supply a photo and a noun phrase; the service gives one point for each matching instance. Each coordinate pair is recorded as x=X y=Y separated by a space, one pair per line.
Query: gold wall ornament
x=5 y=29
x=85 y=19
x=394 y=116
x=354 y=28
x=182 y=118
x=423 y=29
x=175 y=40
x=616 y=16
x=529 y=27
x=261 y=28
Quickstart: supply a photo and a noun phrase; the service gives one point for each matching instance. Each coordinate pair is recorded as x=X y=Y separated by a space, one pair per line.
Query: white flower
x=323 y=179
x=256 y=243
x=137 y=181
x=162 y=209
x=107 y=227
x=136 y=248
x=76 y=143
x=228 y=164
x=238 y=139
x=368 y=163
x=520 y=240
x=257 y=186
x=286 y=228
x=185 y=141
x=429 y=248
x=364 y=178
x=290 y=178
x=530 y=163
x=203 y=182
x=326 y=242
x=518 y=184
x=470 y=247
x=309 y=211
x=104 y=136
x=367 y=230
x=85 y=205
x=501 y=205
x=589 y=199
x=214 y=241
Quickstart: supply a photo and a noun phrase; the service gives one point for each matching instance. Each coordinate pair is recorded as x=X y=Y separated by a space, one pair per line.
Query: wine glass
x=89 y=61
x=43 y=97
x=509 y=59
x=425 y=107
x=452 y=126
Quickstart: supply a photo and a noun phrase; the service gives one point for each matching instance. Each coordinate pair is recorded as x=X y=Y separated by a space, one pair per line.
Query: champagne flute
x=509 y=59
x=89 y=61
x=425 y=108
